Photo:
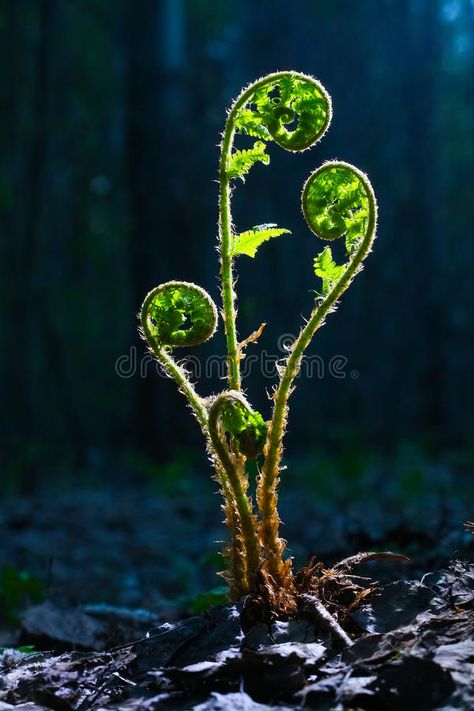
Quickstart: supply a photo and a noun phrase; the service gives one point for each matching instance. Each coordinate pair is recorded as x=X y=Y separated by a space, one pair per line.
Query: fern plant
x=294 y=111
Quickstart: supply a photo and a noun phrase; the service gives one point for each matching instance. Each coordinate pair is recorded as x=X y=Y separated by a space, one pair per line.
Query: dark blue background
x=110 y=119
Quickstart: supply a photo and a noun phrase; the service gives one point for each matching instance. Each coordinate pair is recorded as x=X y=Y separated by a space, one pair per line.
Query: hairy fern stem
x=229 y=311
x=180 y=377
x=233 y=464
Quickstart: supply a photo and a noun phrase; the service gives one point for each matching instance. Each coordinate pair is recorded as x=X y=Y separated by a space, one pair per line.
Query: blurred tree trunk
x=11 y=378
x=458 y=198
x=155 y=59
x=26 y=283
x=423 y=52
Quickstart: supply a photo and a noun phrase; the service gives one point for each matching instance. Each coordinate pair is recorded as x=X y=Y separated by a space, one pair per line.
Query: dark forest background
x=110 y=118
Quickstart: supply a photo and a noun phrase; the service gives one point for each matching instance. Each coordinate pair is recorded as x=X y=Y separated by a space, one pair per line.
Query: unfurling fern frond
x=337 y=202
x=292 y=109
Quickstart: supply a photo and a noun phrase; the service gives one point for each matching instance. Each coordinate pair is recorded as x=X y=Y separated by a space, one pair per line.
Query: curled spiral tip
x=291 y=108
x=178 y=313
x=338 y=200
x=233 y=413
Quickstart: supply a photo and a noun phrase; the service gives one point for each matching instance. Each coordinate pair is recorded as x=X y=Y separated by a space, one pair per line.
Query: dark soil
x=120 y=573
x=414 y=649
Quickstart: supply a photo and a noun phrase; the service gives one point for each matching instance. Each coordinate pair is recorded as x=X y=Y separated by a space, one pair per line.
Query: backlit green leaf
x=248 y=242
x=241 y=161
x=326 y=268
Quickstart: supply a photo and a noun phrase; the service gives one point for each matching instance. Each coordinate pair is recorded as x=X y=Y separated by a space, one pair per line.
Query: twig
x=253 y=338
x=316 y=610
x=349 y=563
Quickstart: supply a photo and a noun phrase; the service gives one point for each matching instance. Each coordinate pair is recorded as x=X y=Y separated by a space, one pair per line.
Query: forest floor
x=110 y=599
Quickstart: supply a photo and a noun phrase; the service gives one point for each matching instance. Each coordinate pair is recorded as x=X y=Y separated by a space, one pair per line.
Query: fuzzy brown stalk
x=234 y=552
x=244 y=532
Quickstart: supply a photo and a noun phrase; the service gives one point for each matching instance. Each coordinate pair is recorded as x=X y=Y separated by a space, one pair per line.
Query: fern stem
x=227 y=278
x=234 y=467
x=179 y=375
x=236 y=574
x=267 y=484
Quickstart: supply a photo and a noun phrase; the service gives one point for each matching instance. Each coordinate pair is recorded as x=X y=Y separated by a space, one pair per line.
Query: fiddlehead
x=338 y=201
x=177 y=314
x=294 y=111
x=244 y=425
x=237 y=432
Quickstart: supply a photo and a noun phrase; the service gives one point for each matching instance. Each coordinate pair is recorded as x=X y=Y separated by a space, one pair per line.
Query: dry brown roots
x=326 y=595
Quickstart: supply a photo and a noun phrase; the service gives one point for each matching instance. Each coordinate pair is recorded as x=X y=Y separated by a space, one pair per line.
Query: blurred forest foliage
x=110 y=118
